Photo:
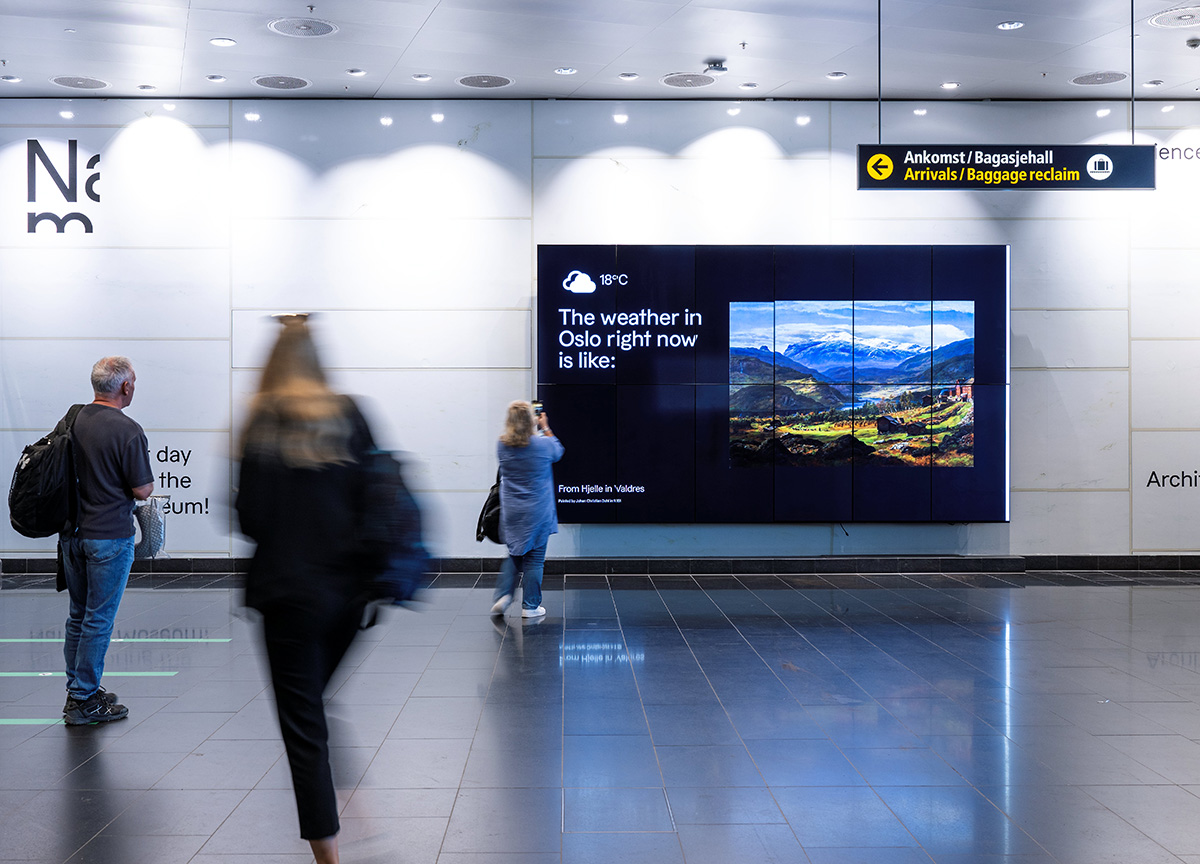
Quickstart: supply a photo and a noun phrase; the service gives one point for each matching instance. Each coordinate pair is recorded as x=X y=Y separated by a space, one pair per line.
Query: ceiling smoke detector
x=79 y=82
x=302 y=28
x=687 y=80
x=484 y=82
x=1093 y=79
x=281 y=82
x=1175 y=19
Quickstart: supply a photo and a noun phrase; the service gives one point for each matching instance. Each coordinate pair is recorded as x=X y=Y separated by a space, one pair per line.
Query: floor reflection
x=1047 y=717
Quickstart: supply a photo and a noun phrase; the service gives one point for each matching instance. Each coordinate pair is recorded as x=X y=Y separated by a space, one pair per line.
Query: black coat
x=304 y=522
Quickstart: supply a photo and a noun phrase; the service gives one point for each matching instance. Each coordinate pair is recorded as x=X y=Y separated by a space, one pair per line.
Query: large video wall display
x=759 y=384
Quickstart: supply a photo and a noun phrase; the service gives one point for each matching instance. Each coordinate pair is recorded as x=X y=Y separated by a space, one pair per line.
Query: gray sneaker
x=96 y=709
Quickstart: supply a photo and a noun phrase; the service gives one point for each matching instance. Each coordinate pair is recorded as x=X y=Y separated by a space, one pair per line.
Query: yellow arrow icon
x=879 y=166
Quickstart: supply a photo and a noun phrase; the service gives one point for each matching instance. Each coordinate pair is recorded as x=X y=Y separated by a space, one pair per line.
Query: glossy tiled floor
x=1024 y=719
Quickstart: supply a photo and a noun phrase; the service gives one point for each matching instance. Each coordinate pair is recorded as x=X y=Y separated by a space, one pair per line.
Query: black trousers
x=304 y=647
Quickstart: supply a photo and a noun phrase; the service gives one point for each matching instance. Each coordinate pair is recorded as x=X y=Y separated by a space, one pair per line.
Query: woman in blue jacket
x=526 y=451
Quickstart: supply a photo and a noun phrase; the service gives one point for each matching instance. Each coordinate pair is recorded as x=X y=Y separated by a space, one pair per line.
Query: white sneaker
x=533 y=613
x=500 y=605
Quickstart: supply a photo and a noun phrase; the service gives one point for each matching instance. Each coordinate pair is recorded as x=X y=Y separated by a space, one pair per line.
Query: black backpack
x=44 y=491
x=488 y=524
x=390 y=545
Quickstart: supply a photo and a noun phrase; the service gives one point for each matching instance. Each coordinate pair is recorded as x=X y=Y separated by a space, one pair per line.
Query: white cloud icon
x=578 y=282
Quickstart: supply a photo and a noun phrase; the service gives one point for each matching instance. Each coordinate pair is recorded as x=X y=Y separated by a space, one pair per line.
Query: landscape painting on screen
x=824 y=383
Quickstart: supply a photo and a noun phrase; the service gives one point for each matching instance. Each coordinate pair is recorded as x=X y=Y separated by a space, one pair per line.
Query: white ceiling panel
x=789 y=46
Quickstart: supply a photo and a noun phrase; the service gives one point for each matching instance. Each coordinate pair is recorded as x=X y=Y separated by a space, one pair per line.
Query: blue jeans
x=96 y=571
x=531 y=565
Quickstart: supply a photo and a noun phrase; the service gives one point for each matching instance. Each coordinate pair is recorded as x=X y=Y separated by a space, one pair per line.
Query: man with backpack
x=112 y=462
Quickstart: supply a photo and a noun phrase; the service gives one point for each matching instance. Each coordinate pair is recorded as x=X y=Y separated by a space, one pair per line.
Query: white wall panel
x=448 y=521
x=1163 y=374
x=1069 y=430
x=18 y=199
x=159 y=181
x=404 y=263
x=1164 y=219
x=193 y=469
x=449 y=419
x=119 y=293
x=640 y=200
x=166 y=184
x=335 y=160
x=1003 y=122
x=1077 y=339
x=180 y=385
x=1073 y=264
x=666 y=129
x=1080 y=522
x=1164 y=300
x=468 y=339
x=1166 y=490
x=919 y=230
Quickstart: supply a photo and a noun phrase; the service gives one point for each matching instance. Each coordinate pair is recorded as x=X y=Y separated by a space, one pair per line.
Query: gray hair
x=110 y=373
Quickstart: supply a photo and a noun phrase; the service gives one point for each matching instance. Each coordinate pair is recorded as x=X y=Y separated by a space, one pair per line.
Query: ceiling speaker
x=1175 y=19
x=281 y=82
x=687 y=80
x=484 y=82
x=79 y=82
x=1094 y=78
x=302 y=28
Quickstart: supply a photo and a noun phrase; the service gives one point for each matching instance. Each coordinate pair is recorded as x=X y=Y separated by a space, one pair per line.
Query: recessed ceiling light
x=565 y=70
x=437 y=118
x=385 y=121
x=1155 y=82
x=835 y=76
x=66 y=115
x=252 y=116
x=68 y=29
x=1167 y=108
x=222 y=41
x=168 y=106
x=620 y=118
x=803 y=120
x=950 y=85
x=920 y=112
x=422 y=76
x=733 y=112
x=216 y=79
x=628 y=76
x=1010 y=25
x=11 y=79
x=749 y=85
x=147 y=87
x=1103 y=112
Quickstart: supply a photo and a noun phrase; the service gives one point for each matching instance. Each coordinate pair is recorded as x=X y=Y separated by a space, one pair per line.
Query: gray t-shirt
x=111 y=458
